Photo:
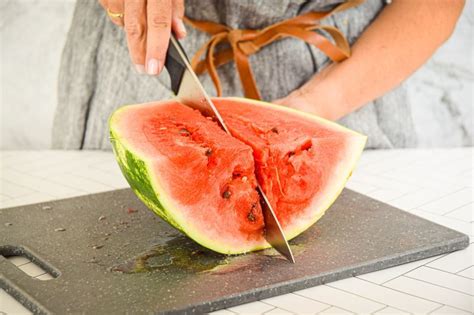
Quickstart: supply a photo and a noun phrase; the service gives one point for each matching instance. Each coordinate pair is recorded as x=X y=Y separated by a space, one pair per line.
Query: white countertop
x=436 y=184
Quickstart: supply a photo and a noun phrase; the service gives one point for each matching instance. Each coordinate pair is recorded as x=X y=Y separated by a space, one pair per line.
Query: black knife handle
x=175 y=65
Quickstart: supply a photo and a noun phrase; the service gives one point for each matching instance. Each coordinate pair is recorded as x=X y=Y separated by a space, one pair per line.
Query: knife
x=185 y=84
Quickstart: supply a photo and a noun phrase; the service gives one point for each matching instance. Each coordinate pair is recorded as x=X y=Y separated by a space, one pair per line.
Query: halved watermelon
x=202 y=181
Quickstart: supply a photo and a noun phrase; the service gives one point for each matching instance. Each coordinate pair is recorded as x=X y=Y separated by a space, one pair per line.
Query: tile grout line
x=440 y=286
x=437 y=302
x=83 y=177
x=470 y=202
x=393 y=308
x=328 y=284
x=431 y=312
x=454 y=274
x=93 y=180
x=381 y=284
x=40 y=191
x=274 y=307
x=441 y=216
x=460 y=271
x=351 y=293
x=331 y=305
x=441 y=197
x=285 y=309
x=384 y=286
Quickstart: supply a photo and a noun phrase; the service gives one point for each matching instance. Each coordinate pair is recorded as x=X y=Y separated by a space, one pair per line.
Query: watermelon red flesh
x=298 y=158
x=202 y=181
x=207 y=176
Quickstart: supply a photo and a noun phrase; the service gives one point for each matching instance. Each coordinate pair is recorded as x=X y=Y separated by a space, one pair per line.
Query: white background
x=32 y=34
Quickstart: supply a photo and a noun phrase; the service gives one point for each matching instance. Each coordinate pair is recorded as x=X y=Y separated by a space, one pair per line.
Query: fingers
x=177 y=19
x=115 y=7
x=158 y=34
x=103 y=3
x=135 y=29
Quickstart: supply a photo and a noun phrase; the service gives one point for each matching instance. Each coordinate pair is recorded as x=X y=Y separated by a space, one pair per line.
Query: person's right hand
x=148 y=25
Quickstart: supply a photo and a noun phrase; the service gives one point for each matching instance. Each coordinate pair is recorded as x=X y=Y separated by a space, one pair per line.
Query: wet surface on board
x=110 y=254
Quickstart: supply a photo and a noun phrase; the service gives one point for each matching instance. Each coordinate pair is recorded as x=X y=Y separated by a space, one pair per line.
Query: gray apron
x=97 y=77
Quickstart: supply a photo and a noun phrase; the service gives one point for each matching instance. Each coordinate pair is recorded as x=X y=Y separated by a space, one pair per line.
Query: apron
x=97 y=77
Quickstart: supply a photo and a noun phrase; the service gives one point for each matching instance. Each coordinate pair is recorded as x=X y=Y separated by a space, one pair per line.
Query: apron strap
x=244 y=43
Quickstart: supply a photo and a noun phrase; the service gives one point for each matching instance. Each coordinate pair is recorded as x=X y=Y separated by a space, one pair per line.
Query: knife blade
x=189 y=90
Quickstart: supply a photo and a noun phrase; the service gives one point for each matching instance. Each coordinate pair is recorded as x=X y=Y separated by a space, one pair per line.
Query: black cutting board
x=130 y=260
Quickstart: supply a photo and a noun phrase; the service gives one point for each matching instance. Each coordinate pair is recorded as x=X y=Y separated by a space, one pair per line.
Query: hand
x=148 y=25
x=303 y=100
x=319 y=96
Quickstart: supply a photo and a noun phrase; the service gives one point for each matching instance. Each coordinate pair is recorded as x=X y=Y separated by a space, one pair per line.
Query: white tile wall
x=437 y=285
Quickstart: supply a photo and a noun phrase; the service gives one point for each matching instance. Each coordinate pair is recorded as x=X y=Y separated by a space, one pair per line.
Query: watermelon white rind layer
x=136 y=168
x=317 y=209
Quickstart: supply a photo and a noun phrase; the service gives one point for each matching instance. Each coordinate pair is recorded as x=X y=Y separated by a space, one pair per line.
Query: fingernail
x=140 y=69
x=153 y=67
x=181 y=28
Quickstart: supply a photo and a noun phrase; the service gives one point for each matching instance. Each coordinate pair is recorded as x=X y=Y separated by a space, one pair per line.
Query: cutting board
x=109 y=254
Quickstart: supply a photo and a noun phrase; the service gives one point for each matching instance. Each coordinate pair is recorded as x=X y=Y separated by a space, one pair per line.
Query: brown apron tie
x=244 y=43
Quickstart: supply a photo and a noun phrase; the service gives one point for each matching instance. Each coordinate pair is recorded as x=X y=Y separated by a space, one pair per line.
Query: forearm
x=400 y=40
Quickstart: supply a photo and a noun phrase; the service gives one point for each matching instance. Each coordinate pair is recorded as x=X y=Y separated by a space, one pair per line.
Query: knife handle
x=174 y=63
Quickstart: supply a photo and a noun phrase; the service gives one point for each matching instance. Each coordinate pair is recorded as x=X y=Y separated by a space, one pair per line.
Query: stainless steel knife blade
x=189 y=90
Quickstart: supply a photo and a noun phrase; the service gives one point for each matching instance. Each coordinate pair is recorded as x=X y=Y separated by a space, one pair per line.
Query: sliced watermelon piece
x=202 y=181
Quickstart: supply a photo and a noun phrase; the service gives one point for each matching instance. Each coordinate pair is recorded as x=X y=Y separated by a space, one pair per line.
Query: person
x=364 y=91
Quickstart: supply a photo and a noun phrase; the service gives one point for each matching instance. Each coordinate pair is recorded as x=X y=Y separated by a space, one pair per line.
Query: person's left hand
x=305 y=101
x=318 y=97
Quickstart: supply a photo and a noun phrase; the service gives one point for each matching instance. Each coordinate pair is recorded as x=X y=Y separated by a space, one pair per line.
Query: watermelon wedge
x=203 y=181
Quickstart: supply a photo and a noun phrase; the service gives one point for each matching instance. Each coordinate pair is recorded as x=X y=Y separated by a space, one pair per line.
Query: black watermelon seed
x=251 y=217
x=275 y=130
x=226 y=194
x=208 y=152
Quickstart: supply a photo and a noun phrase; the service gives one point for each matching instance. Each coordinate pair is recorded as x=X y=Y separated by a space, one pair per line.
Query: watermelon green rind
x=136 y=170
x=358 y=142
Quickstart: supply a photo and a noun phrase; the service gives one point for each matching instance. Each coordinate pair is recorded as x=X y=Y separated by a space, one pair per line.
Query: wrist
x=324 y=97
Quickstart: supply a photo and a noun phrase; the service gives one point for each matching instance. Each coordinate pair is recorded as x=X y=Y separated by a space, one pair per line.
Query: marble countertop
x=436 y=184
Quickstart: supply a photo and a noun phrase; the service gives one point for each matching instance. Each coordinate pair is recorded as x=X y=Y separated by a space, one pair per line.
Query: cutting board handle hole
x=29 y=263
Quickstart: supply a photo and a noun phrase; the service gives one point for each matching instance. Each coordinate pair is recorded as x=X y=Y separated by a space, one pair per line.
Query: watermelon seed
x=163 y=128
x=226 y=194
x=275 y=130
x=184 y=132
x=208 y=152
x=236 y=175
x=251 y=217
x=244 y=179
x=291 y=153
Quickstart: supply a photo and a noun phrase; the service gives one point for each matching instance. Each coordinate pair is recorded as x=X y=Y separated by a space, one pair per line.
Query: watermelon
x=202 y=181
